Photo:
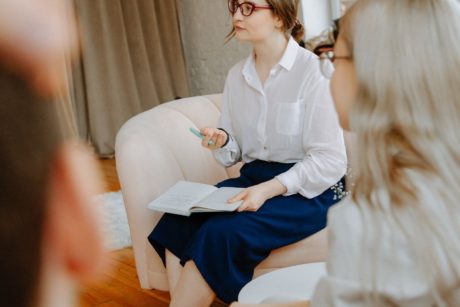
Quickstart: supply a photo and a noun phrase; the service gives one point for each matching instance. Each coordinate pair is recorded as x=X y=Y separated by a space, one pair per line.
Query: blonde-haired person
x=395 y=242
x=277 y=117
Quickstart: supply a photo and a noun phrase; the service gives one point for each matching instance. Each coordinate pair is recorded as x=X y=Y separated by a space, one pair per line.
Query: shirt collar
x=290 y=54
x=249 y=65
x=287 y=60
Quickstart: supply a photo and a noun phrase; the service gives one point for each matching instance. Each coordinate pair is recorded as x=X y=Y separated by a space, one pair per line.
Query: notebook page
x=182 y=196
x=218 y=200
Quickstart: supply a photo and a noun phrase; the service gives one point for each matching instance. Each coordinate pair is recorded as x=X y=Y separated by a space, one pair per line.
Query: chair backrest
x=155 y=149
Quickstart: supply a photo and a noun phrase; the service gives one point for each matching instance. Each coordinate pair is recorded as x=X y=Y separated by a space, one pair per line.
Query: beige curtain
x=64 y=103
x=132 y=60
x=66 y=111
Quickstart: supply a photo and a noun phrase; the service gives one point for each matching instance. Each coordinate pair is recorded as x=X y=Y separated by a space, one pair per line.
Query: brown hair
x=287 y=11
x=29 y=135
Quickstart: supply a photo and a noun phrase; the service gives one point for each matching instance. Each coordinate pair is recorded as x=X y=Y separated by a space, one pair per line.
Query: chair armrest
x=154 y=150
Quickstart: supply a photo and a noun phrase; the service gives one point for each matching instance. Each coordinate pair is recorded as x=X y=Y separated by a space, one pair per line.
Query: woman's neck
x=269 y=52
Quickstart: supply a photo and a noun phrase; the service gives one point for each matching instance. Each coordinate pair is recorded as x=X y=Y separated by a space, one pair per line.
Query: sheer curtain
x=63 y=101
x=132 y=60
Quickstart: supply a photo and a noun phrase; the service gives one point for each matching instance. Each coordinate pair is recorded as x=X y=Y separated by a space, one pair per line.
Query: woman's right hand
x=217 y=136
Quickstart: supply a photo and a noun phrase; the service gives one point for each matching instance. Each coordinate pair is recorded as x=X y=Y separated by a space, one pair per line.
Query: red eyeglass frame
x=234 y=4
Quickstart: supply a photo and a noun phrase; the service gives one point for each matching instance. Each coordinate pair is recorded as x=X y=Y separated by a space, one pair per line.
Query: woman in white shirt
x=396 y=241
x=279 y=119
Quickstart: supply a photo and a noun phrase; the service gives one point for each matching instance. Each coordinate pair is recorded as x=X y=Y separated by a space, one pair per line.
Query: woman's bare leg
x=192 y=290
x=173 y=271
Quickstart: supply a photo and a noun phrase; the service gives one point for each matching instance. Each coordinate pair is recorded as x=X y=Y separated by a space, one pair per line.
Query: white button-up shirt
x=289 y=119
x=399 y=280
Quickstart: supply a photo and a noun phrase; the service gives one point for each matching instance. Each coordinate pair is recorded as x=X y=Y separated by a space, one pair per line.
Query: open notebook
x=185 y=198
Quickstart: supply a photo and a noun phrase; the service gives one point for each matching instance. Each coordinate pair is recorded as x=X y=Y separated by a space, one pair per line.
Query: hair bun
x=298 y=31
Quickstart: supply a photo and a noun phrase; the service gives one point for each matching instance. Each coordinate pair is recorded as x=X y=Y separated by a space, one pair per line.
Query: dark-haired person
x=277 y=117
x=49 y=235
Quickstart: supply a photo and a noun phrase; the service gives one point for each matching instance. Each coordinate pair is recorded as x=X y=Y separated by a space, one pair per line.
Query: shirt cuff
x=230 y=144
x=229 y=154
x=228 y=137
x=290 y=181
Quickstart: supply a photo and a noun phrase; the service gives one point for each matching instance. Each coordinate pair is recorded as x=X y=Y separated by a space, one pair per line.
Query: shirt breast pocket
x=289 y=118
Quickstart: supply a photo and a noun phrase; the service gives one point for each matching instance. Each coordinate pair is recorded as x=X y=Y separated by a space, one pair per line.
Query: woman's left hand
x=254 y=197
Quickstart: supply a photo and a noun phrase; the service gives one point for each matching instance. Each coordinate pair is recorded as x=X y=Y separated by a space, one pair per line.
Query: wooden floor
x=119 y=285
x=109 y=172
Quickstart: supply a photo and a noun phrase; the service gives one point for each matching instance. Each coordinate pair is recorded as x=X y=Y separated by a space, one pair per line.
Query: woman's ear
x=72 y=235
x=279 y=23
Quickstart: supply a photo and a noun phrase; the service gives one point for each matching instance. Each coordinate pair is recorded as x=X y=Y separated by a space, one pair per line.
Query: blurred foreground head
x=49 y=234
x=37 y=39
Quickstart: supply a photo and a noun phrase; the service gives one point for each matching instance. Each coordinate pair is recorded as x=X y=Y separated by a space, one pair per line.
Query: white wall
x=204 y=25
x=317 y=15
x=336 y=8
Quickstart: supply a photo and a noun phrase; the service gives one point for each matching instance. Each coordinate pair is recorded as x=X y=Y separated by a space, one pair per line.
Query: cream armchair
x=153 y=151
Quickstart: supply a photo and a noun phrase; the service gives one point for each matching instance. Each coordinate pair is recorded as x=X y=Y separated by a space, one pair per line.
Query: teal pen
x=198 y=134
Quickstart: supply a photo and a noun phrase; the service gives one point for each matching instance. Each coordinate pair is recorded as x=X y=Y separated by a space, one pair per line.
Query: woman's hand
x=254 y=197
x=216 y=136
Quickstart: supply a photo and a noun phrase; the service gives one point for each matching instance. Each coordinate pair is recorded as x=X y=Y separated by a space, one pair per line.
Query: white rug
x=114 y=221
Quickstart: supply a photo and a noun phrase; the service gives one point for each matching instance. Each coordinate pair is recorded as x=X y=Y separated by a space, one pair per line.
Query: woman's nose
x=238 y=15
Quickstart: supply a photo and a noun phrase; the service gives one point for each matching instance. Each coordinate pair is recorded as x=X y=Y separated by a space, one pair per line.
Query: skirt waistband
x=259 y=171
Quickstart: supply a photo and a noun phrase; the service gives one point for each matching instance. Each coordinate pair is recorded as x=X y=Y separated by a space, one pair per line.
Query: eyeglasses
x=326 y=60
x=325 y=50
x=246 y=8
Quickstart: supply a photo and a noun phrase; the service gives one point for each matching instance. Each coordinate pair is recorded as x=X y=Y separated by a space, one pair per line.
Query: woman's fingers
x=206 y=140
x=242 y=208
x=212 y=138
x=238 y=197
x=205 y=131
x=207 y=134
x=247 y=204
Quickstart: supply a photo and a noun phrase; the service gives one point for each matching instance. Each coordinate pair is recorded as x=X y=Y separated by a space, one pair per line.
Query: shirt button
x=265 y=147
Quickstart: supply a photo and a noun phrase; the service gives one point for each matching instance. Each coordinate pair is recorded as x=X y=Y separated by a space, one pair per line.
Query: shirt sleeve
x=325 y=162
x=230 y=154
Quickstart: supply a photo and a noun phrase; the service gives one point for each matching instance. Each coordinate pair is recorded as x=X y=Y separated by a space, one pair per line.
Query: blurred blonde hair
x=407 y=120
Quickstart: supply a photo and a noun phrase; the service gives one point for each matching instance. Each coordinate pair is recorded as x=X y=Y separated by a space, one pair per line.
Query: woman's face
x=344 y=86
x=258 y=26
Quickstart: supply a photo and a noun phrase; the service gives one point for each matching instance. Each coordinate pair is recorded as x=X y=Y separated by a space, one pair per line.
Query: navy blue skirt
x=226 y=247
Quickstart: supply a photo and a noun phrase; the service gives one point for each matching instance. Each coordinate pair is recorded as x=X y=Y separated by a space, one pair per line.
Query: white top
x=398 y=278
x=290 y=119
x=289 y=284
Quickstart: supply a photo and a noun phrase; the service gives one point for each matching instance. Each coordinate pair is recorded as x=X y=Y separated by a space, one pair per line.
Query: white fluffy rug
x=114 y=221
